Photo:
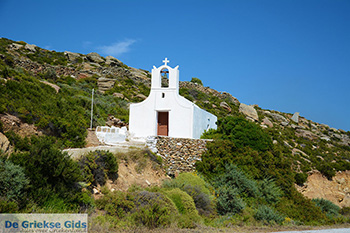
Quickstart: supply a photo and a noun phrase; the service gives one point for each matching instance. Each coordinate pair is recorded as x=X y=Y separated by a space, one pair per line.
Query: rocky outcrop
x=15 y=124
x=105 y=84
x=5 y=146
x=31 y=47
x=225 y=106
x=267 y=122
x=95 y=57
x=305 y=134
x=113 y=121
x=249 y=112
x=112 y=61
x=72 y=57
x=295 y=117
x=207 y=90
x=336 y=190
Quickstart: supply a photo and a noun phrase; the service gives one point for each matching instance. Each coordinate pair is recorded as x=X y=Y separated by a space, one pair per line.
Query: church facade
x=165 y=113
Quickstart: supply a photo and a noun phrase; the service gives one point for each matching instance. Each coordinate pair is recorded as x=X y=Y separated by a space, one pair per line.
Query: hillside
x=48 y=93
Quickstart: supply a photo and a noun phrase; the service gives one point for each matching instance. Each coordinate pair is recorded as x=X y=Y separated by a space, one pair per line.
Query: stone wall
x=179 y=154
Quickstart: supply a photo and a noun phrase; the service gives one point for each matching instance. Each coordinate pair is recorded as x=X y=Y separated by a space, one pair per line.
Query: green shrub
x=270 y=191
x=192 y=179
x=98 y=166
x=153 y=209
x=50 y=171
x=228 y=201
x=183 y=202
x=236 y=180
x=327 y=206
x=12 y=180
x=326 y=169
x=116 y=203
x=244 y=133
x=201 y=199
x=8 y=206
x=265 y=213
x=300 y=178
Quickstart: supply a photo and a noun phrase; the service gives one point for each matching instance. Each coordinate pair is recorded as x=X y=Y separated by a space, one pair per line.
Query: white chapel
x=165 y=113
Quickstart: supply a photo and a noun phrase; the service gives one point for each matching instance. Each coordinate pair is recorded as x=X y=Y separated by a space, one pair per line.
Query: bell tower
x=172 y=73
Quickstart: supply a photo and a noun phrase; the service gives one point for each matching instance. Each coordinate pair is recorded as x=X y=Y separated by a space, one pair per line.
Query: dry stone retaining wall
x=179 y=154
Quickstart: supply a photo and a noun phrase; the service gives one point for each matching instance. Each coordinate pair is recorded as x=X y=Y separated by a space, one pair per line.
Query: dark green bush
x=327 y=206
x=270 y=191
x=12 y=180
x=50 y=171
x=116 y=203
x=228 y=201
x=300 y=178
x=265 y=213
x=153 y=209
x=236 y=180
x=201 y=199
x=244 y=133
x=98 y=166
x=326 y=169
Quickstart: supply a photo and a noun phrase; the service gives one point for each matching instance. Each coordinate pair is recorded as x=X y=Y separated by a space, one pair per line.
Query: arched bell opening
x=164 y=74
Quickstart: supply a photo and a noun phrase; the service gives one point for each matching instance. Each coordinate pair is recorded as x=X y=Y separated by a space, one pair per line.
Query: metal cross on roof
x=166 y=61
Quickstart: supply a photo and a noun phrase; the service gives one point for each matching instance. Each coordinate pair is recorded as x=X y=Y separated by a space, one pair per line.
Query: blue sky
x=285 y=55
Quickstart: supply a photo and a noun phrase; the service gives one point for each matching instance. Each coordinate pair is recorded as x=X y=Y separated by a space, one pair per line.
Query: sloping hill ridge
x=65 y=80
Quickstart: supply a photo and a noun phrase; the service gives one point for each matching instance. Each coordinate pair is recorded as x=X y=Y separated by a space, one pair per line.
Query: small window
x=163 y=95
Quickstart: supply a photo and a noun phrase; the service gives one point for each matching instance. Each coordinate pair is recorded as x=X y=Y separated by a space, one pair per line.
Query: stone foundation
x=179 y=154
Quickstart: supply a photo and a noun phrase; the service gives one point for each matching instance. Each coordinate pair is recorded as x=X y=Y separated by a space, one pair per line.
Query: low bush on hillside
x=98 y=166
x=13 y=180
x=51 y=174
x=266 y=214
x=327 y=206
x=247 y=171
x=186 y=207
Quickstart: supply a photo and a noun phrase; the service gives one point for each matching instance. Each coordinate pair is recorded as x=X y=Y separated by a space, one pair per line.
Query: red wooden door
x=163 y=123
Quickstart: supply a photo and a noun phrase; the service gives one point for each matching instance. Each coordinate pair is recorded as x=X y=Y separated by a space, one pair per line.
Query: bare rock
x=113 y=121
x=72 y=56
x=15 y=46
x=305 y=134
x=112 y=61
x=54 y=86
x=230 y=98
x=31 y=47
x=141 y=96
x=95 y=57
x=5 y=144
x=295 y=117
x=105 y=84
x=267 y=122
x=249 y=111
x=118 y=95
x=277 y=117
x=335 y=190
x=225 y=106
